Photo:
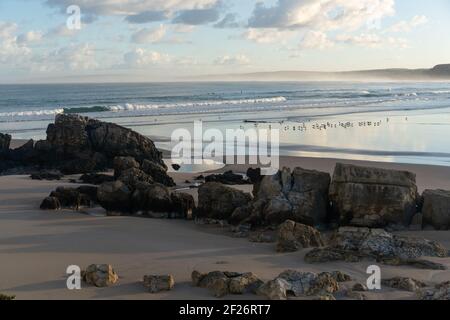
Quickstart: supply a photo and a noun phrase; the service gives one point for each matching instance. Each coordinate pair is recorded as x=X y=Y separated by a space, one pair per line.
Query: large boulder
x=71 y=198
x=436 y=208
x=217 y=201
x=156 y=284
x=183 y=205
x=158 y=172
x=151 y=198
x=131 y=177
x=294 y=236
x=373 y=197
x=114 y=196
x=5 y=141
x=301 y=196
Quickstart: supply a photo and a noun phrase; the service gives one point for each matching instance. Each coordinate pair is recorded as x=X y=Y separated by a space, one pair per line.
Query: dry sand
x=37 y=246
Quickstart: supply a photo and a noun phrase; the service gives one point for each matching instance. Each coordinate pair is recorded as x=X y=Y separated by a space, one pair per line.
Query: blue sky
x=151 y=40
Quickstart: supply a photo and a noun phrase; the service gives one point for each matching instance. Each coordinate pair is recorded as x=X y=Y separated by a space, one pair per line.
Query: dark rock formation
x=5 y=141
x=115 y=196
x=47 y=175
x=436 y=208
x=301 y=196
x=228 y=178
x=96 y=178
x=157 y=172
x=50 y=203
x=217 y=201
x=122 y=164
x=407 y=284
x=183 y=205
x=373 y=197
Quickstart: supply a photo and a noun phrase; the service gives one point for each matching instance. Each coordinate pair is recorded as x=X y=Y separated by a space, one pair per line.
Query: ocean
x=393 y=122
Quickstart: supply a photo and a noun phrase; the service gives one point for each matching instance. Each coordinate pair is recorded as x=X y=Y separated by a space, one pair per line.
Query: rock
x=24 y=153
x=122 y=164
x=355 y=295
x=71 y=198
x=183 y=205
x=6 y=297
x=294 y=236
x=379 y=243
x=90 y=192
x=114 y=196
x=407 y=284
x=217 y=201
x=47 y=175
x=372 y=197
x=254 y=177
x=436 y=208
x=325 y=283
x=176 y=167
x=228 y=178
x=308 y=283
x=100 y=275
x=157 y=284
x=263 y=236
x=416 y=222
x=157 y=172
x=354 y=244
x=96 y=178
x=274 y=290
x=340 y=276
x=359 y=287
x=151 y=198
x=417 y=263
x=5 y=141
x=301 y=196
x=325 y=297
x=322 y=255
x=131 y=177
x=50 y=203
x=223 y=283
x=439 y=292
x=240 y=215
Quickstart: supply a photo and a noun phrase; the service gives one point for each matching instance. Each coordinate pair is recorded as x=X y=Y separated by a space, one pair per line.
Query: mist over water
x=398 y=122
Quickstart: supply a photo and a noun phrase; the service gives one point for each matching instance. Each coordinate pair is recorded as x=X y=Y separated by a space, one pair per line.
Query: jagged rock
x=439 y=292
x=321 y=255
x=228 y=177
x=223 y=283
x=340 y=276
x=114 y=196
x=373 y=197
x=151 y=198
x=96 y=178
x=100 y=275
x=274 y=290
x=6 y=297
x=417 y=263
x=217 y=201
x=355 y=295
x=131 y=177
x=176 y=167
x=240 y=214
x=301 y=196
x=354 y=244
x=50 y=203
x=122 y=164
x=379 y=243
x=23 y=153
x=407 y=284
x=359 y=287
x=90 y=192
x=156 y=284
x=436 y=208
x=293 y=236
x=255 y=177
x=71 y=198
x=5 y=141
x=183 y=205
x=47 y=175
x=157 y=172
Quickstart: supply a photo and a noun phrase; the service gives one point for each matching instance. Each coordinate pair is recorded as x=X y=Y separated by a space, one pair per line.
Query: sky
x=171 y=40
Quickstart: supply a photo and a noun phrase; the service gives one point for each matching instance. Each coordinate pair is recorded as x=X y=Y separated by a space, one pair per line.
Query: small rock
x=340 y=276
x=274 y=290
x=157 y=284
x=100 y=275
x=293 y=236
x=176 y=167
x=439 y=292
x=355 y=295
x=359 y=287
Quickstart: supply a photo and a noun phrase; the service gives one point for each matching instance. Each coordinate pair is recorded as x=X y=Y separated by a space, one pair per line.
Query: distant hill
x=439 y=72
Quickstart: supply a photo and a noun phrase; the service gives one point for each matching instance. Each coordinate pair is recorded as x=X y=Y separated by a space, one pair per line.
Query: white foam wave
x=31 y=113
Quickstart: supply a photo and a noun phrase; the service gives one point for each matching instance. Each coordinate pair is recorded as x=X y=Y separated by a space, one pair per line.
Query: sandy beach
x=37 y=246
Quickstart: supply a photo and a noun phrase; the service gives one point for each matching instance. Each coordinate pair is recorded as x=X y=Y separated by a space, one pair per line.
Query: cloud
x=141 y=11
x=198 y=16
x=227 y=60
x=267 y=36
x=29 y=37
x=229 y=21
x=60 y=31
x=322 y=15
x=372 y=40
x=76 y=57
x=149 y=35
x=12 y=53
x=407 y=26
x=316 y=40
x=141 y=58
x=147 y=16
